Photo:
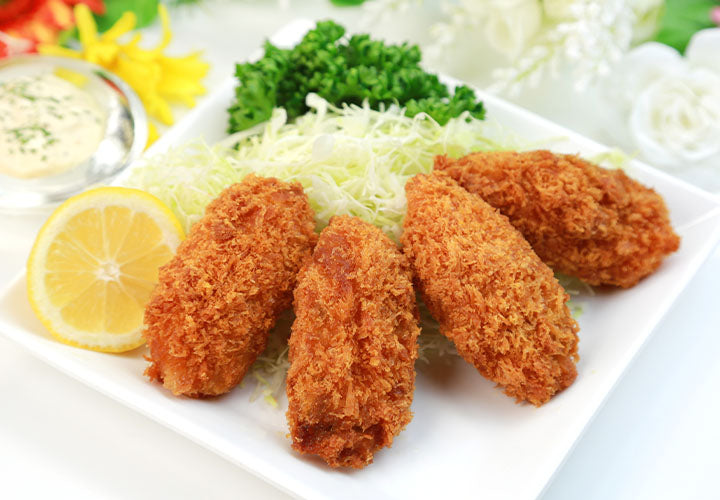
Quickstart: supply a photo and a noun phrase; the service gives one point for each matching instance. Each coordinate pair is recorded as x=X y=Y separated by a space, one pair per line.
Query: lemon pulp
x=95 y=263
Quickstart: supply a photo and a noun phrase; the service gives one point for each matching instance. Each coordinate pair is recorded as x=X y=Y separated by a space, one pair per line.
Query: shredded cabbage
x=270 y=368
x=611 y=159
x=350 y=160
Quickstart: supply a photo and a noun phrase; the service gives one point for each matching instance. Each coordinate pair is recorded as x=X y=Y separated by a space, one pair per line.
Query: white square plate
x=467 y=438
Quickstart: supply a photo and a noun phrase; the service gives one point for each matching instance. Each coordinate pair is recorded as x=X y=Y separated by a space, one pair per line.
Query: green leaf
x=347 y=3
x=65 y=36
x=182 y=3
x=145 y=10
x=682 y=19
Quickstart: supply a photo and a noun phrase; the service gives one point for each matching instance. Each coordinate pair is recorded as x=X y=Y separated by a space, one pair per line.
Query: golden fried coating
x=209 y=316
x=492 y=296
x=353 y=346
x=581 y=219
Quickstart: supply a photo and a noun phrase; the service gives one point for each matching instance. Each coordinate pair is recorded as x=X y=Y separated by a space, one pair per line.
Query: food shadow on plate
x=15 y=309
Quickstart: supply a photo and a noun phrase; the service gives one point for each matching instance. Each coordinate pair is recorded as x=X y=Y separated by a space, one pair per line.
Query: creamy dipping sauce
x=47 y=126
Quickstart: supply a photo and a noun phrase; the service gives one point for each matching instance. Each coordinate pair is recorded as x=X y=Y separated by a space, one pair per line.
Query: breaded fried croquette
x=353 y=346
x=583 y=220
x=209 y=316
x=492 y=296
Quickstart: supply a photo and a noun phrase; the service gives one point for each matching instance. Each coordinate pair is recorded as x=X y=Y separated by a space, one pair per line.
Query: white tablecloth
x=656 y=437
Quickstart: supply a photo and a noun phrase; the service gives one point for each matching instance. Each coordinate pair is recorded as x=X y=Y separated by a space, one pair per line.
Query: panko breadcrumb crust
x=492 y=296
x=353 y=346
x=583 y=220
x=209 y=316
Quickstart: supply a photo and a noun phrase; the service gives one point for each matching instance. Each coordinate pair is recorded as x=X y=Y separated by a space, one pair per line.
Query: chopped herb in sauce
x=47 y=125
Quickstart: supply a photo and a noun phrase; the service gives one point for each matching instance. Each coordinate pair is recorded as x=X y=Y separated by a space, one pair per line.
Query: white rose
x=558 y=10
x=511 y=24
x=641 y=67
x=647 y=20
x=703 y=51
x=668 y=107
x=676 y=120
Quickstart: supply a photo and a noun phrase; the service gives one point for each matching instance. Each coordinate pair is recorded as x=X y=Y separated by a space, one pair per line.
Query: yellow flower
x=159 y=80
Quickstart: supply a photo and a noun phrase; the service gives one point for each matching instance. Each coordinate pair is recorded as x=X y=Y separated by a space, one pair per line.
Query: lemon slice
x=94 y=264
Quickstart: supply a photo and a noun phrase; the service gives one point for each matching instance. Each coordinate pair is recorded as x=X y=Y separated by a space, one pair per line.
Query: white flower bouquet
x=537 y=36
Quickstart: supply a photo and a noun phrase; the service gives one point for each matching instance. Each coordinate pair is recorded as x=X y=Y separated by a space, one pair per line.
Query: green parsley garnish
x=343 y=71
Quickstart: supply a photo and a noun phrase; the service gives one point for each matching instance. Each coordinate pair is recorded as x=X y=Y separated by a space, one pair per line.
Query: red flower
x=39 y=21
x=715 y=15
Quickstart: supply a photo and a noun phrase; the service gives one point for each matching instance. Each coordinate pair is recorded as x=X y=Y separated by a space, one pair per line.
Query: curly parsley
x=343 y=71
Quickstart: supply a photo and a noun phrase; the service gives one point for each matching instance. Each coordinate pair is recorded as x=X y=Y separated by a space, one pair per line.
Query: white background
x=656 y=437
